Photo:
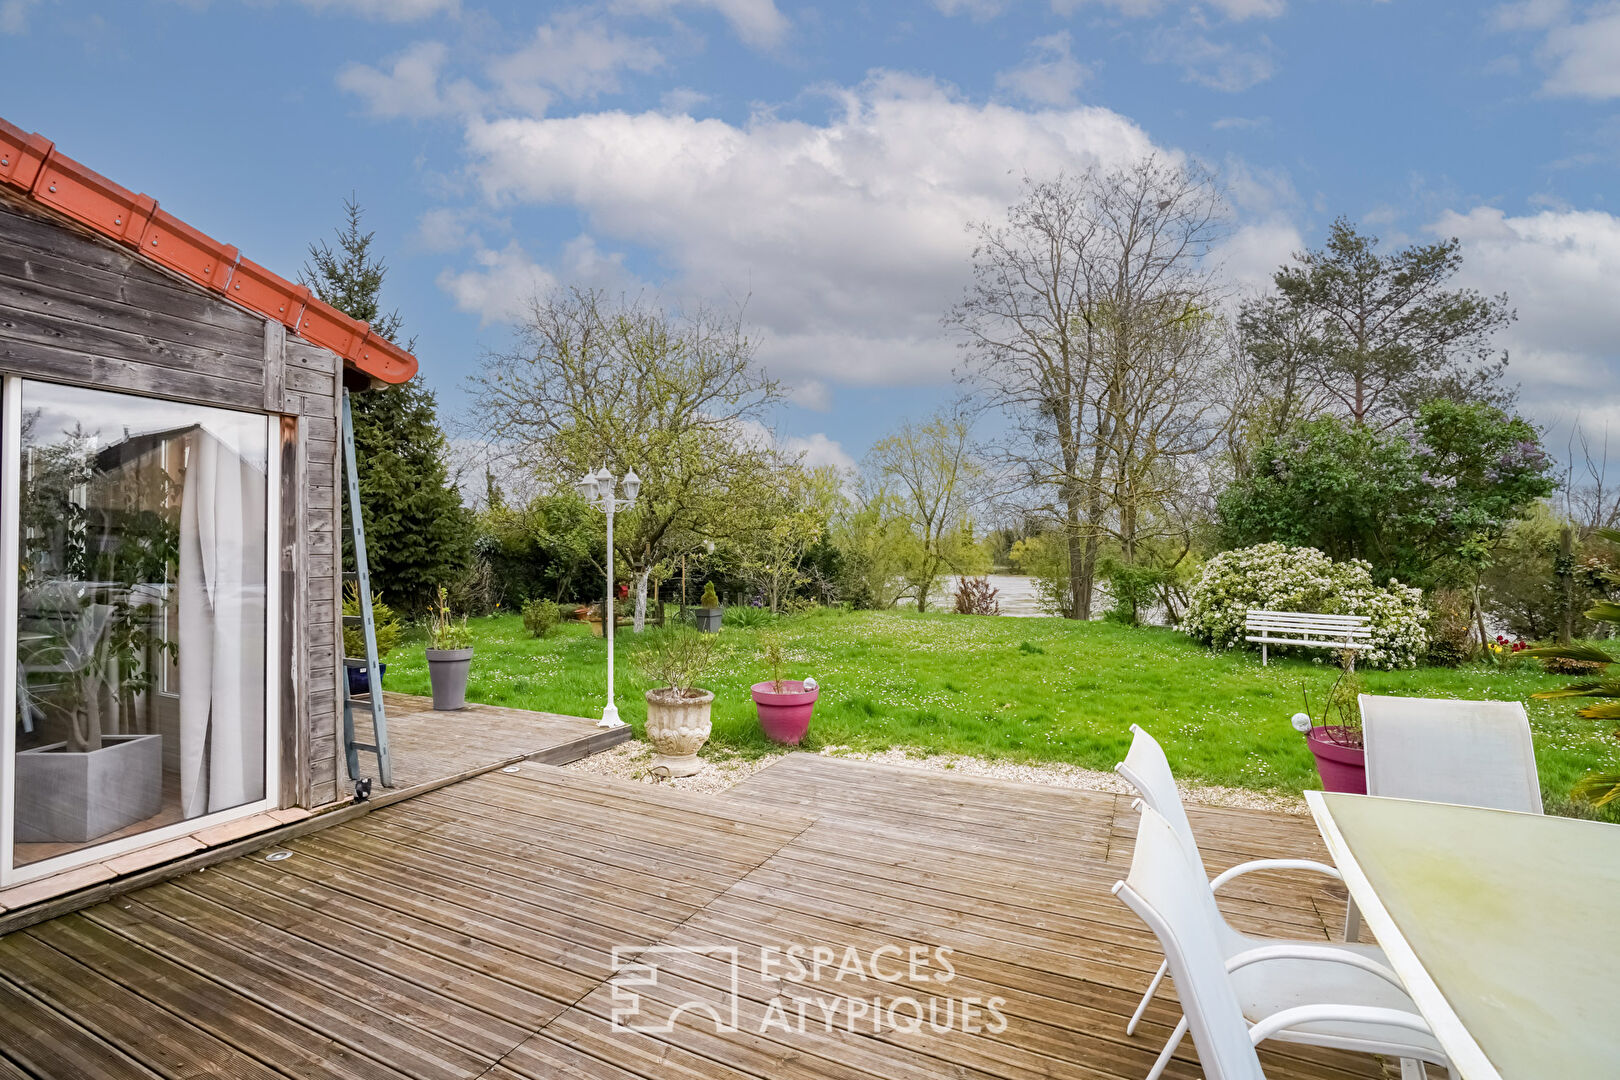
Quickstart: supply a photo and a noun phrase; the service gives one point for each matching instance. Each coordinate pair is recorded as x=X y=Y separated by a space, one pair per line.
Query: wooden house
x=169 y=554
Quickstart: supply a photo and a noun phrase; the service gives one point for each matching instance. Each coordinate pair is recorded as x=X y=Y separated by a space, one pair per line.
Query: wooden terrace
x=468 y=931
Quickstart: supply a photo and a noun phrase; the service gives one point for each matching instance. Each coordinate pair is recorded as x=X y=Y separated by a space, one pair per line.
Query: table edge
x=1465 y=1053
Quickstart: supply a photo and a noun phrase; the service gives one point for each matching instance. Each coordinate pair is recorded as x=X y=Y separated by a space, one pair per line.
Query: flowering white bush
x=1276 y=577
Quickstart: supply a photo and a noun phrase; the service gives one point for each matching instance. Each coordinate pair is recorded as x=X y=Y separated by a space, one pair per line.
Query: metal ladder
x=362 y=577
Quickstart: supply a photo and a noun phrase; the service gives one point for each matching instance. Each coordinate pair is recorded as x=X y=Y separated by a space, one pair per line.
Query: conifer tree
x=417 y=533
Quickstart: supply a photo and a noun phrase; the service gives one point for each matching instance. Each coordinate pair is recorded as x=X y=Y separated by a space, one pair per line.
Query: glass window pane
x=140 y=617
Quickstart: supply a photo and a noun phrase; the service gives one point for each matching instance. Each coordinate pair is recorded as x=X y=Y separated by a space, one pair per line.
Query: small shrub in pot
x=784 y=705
x=678 y=710
x=386 y=626
x=449 y=656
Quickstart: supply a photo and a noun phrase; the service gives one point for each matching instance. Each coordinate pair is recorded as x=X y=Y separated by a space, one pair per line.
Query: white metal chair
x=1315 y=994
x=1472 y=753
x=1148 y=770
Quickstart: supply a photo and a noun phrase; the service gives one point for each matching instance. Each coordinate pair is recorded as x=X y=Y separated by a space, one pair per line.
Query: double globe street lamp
x=597 y=490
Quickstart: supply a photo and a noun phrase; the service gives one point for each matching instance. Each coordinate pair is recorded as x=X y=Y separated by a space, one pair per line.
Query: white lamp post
x=597 y=490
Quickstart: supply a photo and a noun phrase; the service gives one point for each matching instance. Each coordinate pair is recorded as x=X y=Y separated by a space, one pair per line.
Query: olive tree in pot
x=90 y=648
x=709 y=611
x=449 y=656
x=678 y=722
x=784 y=705
x=107 y=773
x=384 y=623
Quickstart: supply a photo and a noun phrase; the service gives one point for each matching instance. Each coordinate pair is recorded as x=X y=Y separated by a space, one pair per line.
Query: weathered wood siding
x=75 y=308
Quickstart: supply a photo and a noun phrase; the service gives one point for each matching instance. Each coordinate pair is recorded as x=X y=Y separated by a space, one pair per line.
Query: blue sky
x=819 y=160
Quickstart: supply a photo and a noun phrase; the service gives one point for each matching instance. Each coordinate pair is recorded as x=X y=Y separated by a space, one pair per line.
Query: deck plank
x=468 y=932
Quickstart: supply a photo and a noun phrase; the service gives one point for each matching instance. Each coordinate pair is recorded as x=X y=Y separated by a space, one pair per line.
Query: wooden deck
x=430 y=747
x=468 y=931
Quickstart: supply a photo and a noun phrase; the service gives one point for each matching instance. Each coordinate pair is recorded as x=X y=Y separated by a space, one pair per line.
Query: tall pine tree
x=417 y=533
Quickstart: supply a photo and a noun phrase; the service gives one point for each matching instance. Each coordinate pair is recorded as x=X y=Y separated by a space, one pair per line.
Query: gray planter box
x=708 y=619
x=74 y=798
x=448 y=670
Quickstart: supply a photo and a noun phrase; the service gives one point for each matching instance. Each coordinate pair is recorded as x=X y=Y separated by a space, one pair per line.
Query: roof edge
x=30 y=162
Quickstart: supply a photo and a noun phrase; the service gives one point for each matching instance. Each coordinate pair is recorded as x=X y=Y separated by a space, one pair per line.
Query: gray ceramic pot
x=448 y=670
x=708 y=619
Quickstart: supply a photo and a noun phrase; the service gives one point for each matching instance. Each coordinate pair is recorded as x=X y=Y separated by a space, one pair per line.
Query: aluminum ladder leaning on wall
x=362 y=577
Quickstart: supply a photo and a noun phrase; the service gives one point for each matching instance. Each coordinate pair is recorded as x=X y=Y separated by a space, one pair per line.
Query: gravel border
x=632 y=760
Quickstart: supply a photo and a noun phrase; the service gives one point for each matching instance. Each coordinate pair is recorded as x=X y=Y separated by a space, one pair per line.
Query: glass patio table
x=1505 y=927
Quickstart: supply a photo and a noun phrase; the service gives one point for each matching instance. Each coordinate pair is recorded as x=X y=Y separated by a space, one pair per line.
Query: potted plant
x=386 y=625
x=101 y=778
x=449 y=656
x=90 y=647
x=593 y=615
x=677 y=709
x=1336 y=742
x=784 y=705
x=708 y=611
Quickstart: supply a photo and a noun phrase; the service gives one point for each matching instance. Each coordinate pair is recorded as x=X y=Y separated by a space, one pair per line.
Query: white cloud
x=411 y=87
x=1255 y=250
x=811 y=394
x=817 y=450
x=501 y=284
x=758 y=22
x=1558 y=269
x=14 y=15
x=1219 y=65
x=1049 y=75
x=978 y=9
x=1232 y=9
x=574 y=54
x=847 y=236
x=389 y=10
x=1529 y=14
x=682 y=99
x=1585 y=55
x=1241 y=123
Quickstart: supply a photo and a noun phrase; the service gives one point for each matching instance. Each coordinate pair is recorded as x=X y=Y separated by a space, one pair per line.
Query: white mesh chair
x=1147 y=770
x=1316 y=994
x=1472 y=753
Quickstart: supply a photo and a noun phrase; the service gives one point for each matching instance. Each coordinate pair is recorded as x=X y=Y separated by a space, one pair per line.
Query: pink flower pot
x=784 y=717
x=1342 y=768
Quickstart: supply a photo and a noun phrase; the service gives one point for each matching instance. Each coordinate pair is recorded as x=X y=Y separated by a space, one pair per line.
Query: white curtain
x=222 y=627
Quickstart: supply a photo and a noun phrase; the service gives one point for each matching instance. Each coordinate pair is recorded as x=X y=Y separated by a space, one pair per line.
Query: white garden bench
x=1336 y=632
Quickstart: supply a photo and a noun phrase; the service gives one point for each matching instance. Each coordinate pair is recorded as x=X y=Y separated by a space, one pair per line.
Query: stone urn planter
x=708 y=619
x=75 y=797
x=678 y=726
x=448 y=670
x=784 y=715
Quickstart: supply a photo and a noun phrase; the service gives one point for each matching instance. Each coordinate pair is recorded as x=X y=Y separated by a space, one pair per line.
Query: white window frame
x=10 y=459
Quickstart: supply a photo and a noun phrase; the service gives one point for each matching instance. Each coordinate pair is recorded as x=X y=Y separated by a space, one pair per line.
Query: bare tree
x=1088 y=322
x=629 y=385
x=1590 y=501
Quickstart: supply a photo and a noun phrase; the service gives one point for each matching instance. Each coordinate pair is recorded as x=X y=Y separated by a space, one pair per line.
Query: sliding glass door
x=136 y=640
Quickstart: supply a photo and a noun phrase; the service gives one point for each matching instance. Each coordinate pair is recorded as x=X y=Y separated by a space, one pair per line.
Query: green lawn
x=1036 y=690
